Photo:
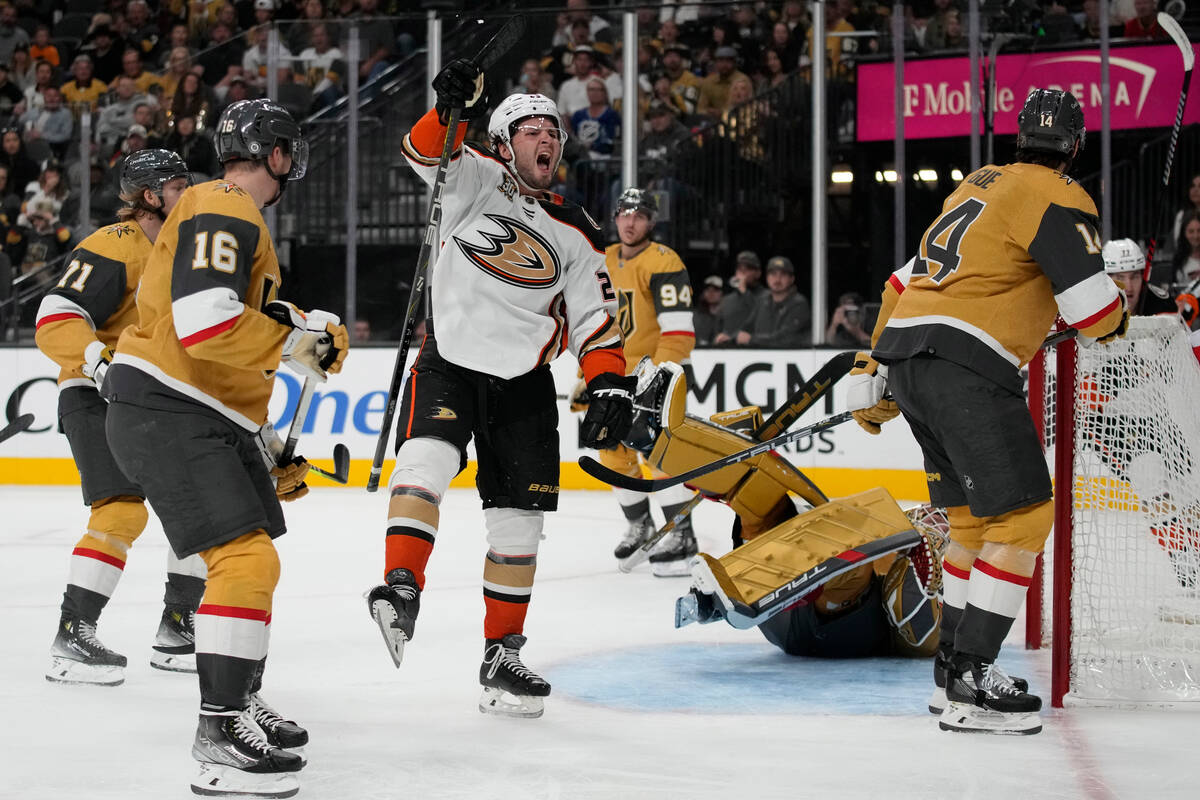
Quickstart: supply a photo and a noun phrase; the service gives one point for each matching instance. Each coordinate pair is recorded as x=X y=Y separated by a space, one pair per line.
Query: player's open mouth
x=543 y=160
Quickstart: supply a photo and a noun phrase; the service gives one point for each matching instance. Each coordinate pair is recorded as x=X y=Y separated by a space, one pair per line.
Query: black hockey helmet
x=150 y=169
x=249 y=129
x=634 y=199
x=1051 y=122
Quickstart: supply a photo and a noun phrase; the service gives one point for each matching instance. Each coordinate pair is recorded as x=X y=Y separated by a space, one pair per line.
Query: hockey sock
x=185 y=581
x=999 y=580
x=411 y=531
x=98 y=560
x=635 y=507
x=234 y=618
x=956 y=574
x=513 y=537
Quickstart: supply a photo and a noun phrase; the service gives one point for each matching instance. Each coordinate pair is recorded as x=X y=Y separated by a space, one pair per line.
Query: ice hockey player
x=654 y=297
x=78 y=323
x=1014 y=246
x=188 y=390
x=520 y=280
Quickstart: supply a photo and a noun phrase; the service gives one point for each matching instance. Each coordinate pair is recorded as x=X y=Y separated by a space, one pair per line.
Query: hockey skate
x=77 y=656
x=175 y=642
x=510 y=688
x=237 y=760
x=673 y=556
x=282 y=733
x=941 y=668
x=982 y=699
x=640 y=530
x=394 y=607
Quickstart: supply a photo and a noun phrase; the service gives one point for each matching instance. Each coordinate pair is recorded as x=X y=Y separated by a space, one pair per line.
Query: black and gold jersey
x=654 y=304
x=1014 y=246
x=202 y=337
x=94 y=298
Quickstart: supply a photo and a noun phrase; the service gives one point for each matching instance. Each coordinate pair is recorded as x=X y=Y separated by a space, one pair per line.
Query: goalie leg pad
x=914 y=615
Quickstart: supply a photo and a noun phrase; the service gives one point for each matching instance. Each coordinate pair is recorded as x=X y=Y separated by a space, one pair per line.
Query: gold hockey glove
x=289 y=479
x=96 y=360
x=865 y=387
x=318 y=341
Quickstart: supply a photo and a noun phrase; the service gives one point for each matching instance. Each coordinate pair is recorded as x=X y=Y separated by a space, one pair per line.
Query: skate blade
x=384 y=614
x=966 y=718
x=170 y=662
x=503 y=704
x=937 y=701
x=218 y=780
x=65 y=670
x=672 y=569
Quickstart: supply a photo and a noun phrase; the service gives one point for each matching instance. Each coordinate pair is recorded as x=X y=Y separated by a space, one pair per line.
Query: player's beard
x=641 y=240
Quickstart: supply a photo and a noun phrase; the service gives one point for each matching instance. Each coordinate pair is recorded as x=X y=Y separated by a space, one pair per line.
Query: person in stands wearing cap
x=105 y=48
x=714 y=89
x=707 y=315
x=84 y=90
x=738 y=306
x=685 y=86
x=782 y=315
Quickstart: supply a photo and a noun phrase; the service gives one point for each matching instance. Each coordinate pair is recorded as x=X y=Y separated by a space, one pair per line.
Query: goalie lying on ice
x=845 y=578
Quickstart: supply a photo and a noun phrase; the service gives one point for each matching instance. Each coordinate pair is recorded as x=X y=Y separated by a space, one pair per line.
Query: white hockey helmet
x=1122 y=255
x=517 y=107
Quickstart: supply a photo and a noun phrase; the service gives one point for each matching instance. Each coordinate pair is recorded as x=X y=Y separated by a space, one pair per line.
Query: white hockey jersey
x=518 y=280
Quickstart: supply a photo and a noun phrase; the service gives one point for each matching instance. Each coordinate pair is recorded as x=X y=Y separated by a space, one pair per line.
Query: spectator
x=313 y=12
x=773 y=72
x=572 y=94
x=1145 y=25
x=376 y=40
x=131 y=66
x=665 y=133
x=52 y=123
x=177 y=38
x=41 y=48
x=782 y=316
x=117 y=116
x=935 y=29
x=106 y=50
x=294 y=94
x=155 y=124
x=21 y=168
x=837 y=65
x=264 y=13
x=597 y=127
x=578 y=12
x=10 y=94
x=194 y=148
x=238 y=89
x=50 y=191
x=750 y=34
x=1192 y=205
x=191 y=99
x=43 y=79
x=707 y=315
x=20 y=70
x=714 y=89
x=10 y=203
x=254 y=61
x=786 y=44
x=179 y=64
x=534 y=80
x=142 y=31
x=1187 y=253
x=324 y=67
x=738 y=306
x=668 y=35
x=361 y=332
x=38 y=241
x=223 y=59
x=685 y=87
x=12 y=35
x=1058 y=25
x=136 y=139
x=795 y=16
x=846 y=326
x=1091 y=27
x=84 y=90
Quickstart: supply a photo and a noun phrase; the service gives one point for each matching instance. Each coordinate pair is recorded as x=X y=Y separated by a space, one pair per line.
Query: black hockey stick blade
x=19 y=424
x=597 y=470
x=341 y=465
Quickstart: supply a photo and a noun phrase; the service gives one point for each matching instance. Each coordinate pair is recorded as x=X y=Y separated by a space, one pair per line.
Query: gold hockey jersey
x=1014 y=246
x=202 y=338
x=654 y=304
x=95 y=298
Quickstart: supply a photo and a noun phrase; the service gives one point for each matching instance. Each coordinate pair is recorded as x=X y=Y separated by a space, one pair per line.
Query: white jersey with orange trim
x=518 y=279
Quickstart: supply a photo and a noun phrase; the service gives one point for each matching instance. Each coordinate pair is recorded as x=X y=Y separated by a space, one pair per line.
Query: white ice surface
x=639 y=709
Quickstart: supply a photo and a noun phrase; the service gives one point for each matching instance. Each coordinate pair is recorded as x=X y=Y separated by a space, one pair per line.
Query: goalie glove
x=317 y=343
x=460 y=84
x=96 y=360
x=610 y=412
x=865 y=388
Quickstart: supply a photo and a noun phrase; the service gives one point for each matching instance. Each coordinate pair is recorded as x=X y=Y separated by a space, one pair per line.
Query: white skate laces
x=510 y=657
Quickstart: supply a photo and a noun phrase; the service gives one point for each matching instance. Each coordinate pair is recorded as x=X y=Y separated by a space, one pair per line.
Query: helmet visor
x=299 y=149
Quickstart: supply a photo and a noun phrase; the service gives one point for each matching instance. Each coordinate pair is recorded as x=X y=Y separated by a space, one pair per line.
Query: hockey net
x=1122 y=591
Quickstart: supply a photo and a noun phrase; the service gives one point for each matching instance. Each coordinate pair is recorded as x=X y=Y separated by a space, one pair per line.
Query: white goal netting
x=1133 y=581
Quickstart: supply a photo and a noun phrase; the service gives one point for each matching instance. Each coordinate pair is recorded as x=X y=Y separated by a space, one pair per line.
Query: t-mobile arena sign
x=1144 y=89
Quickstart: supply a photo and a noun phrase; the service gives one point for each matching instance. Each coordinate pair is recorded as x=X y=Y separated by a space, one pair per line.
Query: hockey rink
x=638 y=708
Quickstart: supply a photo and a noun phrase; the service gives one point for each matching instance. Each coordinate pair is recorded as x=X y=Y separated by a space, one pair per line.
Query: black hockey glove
x=460 y=84
x=610 y=412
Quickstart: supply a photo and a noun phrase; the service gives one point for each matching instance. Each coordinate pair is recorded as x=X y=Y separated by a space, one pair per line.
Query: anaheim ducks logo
x=517 y=254
x=441 y=412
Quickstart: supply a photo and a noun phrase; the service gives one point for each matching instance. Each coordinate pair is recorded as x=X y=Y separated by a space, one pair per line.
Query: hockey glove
x=579 y=397
x=865 y=387
x=610 y=412
x=460 y=84
x=1115 y=333
x=289 y=479
x=96 y=360
x=317 y=343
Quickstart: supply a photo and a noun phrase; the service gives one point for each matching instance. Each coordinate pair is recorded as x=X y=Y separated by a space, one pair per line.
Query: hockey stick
x=597 y=470
x=491 y=52
x=800 y=401
x=341 y=453
x=19 y=424
x=1168 y=24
